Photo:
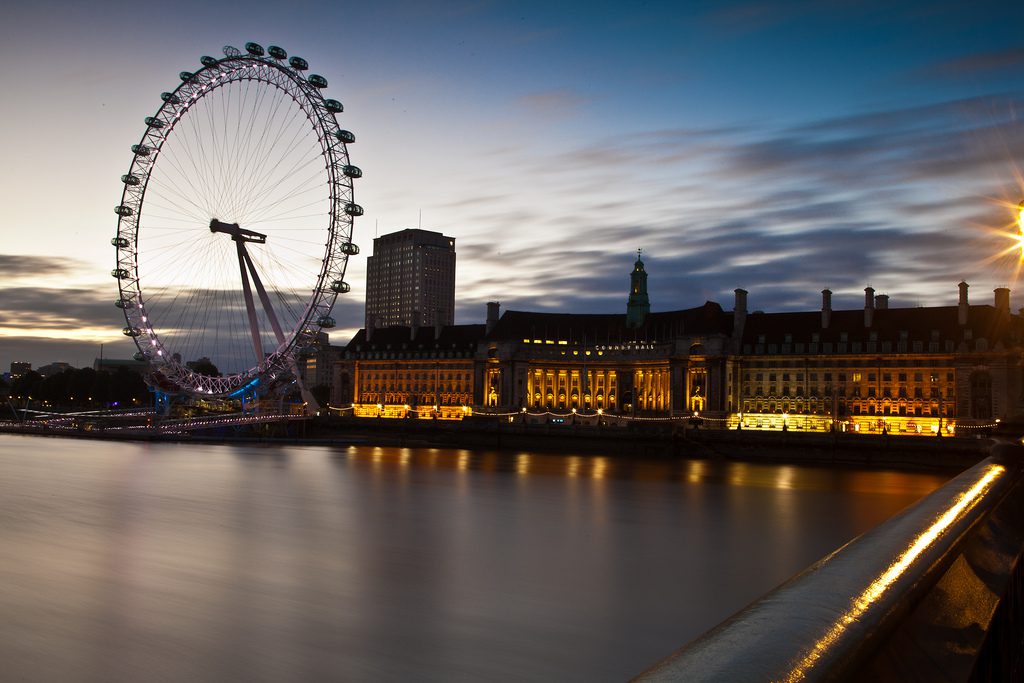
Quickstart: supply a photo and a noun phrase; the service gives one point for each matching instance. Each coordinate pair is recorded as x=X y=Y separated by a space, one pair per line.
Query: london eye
x=235 y=224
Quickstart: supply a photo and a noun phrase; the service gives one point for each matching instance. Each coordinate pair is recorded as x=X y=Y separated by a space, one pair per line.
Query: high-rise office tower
x=410 y=280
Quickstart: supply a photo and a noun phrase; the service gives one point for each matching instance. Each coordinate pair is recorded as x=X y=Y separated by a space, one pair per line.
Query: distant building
x=115 y=364
x=315 y=361
x=19 y=368
x=54 y=368
x=410 y=280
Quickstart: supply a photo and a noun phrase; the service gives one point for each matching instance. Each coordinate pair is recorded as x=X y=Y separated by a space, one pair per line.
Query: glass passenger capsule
x=341 y=287
x=185 y=75
x=349 y=248
x=346 y=136
x=207 y=61
x=353 y=210
x=131 y=332
x=119 y=242
x=170 y=97
x=298 y=63
x=141 y=150
x=154 y=122
x=334 y=106
x=325 y=321
x=124 y=303
x=277 y=52
x=140 y=356
x=255 y=49
x=317 y=81
x=129 y=179
x=119 y=273
x=122 y=210
x=352 y=171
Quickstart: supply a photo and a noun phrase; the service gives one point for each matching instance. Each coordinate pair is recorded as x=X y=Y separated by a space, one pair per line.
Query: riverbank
x=947 y=454
x=912 y=453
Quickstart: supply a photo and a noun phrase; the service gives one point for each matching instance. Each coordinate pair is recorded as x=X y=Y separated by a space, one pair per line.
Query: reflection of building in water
x=876 y=369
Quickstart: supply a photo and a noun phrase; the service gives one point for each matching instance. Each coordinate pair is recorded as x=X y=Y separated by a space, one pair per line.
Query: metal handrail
x=824 y=621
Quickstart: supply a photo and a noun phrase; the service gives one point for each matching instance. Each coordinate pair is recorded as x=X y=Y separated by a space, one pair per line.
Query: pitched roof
x=887 y=323
x=611 y=327
x=459 y=336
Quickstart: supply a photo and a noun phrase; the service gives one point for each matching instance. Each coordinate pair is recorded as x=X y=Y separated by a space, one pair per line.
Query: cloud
x=86 y=317
x=902 y=199
x=552 y=104
x=19 y=265
x=975 y=65
x=32 y=308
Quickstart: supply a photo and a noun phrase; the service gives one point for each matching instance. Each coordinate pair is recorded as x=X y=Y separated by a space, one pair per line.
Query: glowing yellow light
x=1020 y=229
x=878 y=587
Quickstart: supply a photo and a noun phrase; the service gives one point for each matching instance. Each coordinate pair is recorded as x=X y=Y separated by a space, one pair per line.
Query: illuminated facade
x=424 y=372
x=555 y=362
x=876 y=369
x=886 y=370
x=410 y=280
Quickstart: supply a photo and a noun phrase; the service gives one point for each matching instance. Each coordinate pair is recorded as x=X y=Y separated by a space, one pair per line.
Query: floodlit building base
x=394 y=411
x=861 y=424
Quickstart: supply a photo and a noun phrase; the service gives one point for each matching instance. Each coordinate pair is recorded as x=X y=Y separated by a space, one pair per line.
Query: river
x=124 y=561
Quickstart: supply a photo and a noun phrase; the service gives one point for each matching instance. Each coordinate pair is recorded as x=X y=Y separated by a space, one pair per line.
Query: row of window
x=900 y=392
x=854 y=376
x=853 y=408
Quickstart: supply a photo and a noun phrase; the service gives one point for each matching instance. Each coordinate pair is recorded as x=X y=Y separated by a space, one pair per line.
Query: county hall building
x=872 y=370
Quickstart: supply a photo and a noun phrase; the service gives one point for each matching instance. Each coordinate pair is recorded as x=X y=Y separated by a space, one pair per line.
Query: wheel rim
x=245 y=140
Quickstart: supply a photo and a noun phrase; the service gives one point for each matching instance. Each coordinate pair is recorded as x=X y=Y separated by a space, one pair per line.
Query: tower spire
x=639 y=304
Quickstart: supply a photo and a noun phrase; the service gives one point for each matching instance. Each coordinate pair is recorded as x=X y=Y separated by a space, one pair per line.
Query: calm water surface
x=187 y=562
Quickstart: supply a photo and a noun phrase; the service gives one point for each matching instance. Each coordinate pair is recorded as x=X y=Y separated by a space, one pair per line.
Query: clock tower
x=639 y=305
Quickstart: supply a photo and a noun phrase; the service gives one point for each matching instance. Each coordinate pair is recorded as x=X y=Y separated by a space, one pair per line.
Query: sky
x=781 y=146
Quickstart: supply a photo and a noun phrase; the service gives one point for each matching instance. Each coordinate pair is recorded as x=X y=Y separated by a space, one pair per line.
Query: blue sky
x=782 y=147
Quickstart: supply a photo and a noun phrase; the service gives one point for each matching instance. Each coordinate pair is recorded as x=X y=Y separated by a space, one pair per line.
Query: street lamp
x=937 y=393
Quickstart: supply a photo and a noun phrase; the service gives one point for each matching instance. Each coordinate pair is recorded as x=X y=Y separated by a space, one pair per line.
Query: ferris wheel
x=235 y=224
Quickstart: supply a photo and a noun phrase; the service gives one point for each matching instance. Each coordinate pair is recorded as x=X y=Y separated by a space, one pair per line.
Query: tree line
x=80 y=388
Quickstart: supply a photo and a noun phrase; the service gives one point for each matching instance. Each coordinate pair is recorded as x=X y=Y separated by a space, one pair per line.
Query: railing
x=932 y=594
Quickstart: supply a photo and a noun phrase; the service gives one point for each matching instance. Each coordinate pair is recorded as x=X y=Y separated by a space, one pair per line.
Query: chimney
x=962 y=309
x=826 y=308
x=739 y=313
x=881 y=302
x=493 y=309
x=1003 y=302
x=869 y=306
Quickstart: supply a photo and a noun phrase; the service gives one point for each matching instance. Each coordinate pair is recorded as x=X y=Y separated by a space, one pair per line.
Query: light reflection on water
x=123 y=561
